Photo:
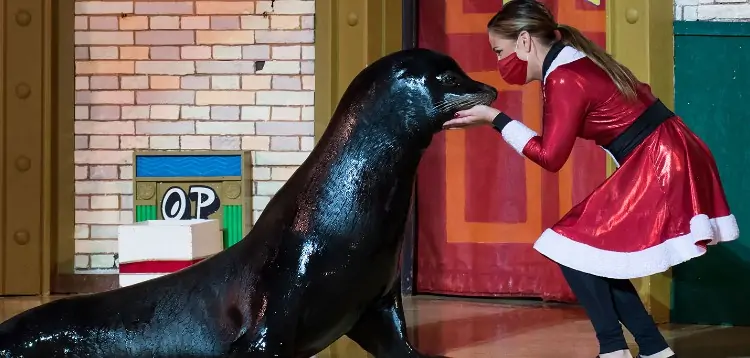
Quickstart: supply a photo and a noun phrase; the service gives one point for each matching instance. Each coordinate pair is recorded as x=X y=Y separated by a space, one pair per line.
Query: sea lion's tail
x=21 y=341
x=9 y=331
x=35 y=334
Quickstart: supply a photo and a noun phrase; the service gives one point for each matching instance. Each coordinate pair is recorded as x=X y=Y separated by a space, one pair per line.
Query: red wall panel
x=480 y=205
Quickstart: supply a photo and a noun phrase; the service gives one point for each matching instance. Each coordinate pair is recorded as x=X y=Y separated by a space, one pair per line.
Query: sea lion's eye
x=448 y=79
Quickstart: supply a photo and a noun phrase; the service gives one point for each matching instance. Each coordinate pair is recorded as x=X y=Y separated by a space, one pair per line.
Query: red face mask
x=513 y=69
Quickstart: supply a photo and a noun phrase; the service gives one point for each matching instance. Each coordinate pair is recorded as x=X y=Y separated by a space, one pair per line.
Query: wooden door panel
x=710 y=89
x=349 y=35
x=23 y=81
x=3 y=262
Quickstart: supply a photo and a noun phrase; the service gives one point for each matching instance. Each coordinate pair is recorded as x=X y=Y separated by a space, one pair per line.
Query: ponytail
x=623 y=78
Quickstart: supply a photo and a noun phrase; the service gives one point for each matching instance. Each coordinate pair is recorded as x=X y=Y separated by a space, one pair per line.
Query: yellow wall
x=349 y=34
x=640 y=35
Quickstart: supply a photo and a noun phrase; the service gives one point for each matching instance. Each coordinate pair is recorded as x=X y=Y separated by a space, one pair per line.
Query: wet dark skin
x=321 y=261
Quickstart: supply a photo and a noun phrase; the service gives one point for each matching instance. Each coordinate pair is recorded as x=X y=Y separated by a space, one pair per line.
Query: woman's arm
x=565 y=106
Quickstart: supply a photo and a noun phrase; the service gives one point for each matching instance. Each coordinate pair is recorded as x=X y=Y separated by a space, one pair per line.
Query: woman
x=661 y=207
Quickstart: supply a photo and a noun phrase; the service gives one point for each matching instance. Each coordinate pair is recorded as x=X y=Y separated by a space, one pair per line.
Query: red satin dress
x=661 y=207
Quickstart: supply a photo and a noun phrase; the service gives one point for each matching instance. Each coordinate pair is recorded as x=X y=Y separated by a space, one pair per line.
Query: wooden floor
x=513 y=329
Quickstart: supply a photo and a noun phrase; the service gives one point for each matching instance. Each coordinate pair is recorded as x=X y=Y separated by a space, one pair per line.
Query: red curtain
x=480 y=206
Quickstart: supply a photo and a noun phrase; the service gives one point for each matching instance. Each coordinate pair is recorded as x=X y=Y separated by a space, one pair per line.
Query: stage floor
x=467 y=328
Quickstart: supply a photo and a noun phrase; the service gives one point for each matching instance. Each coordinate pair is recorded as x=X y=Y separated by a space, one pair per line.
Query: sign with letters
x=191 y=200
x=195 y=185
x=198 y=202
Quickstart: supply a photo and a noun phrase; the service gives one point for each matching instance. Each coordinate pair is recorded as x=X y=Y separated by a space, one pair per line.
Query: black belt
x=643 y=126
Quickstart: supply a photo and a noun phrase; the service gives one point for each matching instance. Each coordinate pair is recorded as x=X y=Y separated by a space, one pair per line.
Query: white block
x=169 y=240
x=133 y=278
x=165 y=240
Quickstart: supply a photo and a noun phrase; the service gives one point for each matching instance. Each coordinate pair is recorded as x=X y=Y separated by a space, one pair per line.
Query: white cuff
x=517 y=135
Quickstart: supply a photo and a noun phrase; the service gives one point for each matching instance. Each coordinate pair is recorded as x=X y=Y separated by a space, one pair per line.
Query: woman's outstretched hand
x=474 y=116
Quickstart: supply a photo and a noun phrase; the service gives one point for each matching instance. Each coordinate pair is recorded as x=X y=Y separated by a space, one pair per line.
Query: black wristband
x=500 y=121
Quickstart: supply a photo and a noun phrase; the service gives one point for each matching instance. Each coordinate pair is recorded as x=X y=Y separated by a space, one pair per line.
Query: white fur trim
x=567 y=55
x=627 y=265
x=668 y=352
x=517 y=135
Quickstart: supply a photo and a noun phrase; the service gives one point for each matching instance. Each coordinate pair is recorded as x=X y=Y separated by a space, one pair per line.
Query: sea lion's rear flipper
x=381 y=330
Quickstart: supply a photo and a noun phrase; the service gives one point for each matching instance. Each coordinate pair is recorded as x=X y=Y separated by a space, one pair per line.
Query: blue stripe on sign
x=170 y=166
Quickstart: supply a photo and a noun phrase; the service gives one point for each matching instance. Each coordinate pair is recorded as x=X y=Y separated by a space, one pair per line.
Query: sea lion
x=321 y=261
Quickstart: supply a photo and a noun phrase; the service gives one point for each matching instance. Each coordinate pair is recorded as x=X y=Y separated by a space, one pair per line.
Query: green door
x=712 y=95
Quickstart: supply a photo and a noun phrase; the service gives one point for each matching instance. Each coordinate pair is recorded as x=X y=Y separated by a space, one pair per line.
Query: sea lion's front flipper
x=275 y=333
x=381 y=330
x=263 y=346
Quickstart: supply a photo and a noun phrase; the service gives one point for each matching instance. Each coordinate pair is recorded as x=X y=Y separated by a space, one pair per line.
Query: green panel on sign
x=145 y=212
x=232 y=224
x=711 y=94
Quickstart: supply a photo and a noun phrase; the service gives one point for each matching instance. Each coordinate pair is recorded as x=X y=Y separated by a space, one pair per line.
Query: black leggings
x=608 y=302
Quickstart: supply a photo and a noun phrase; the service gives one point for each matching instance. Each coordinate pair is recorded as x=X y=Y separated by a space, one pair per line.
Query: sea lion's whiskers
x=455 y=103
x=468 y=101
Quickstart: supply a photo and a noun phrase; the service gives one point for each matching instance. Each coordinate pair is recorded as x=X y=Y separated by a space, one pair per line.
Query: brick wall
x=712 y=10
x=153 y=75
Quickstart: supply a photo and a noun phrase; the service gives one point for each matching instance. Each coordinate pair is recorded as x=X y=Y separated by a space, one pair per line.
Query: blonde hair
x=533 y=17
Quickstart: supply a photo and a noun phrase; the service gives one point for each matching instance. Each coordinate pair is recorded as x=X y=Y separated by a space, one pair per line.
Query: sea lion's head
x=415 y=91
x=441 y=85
